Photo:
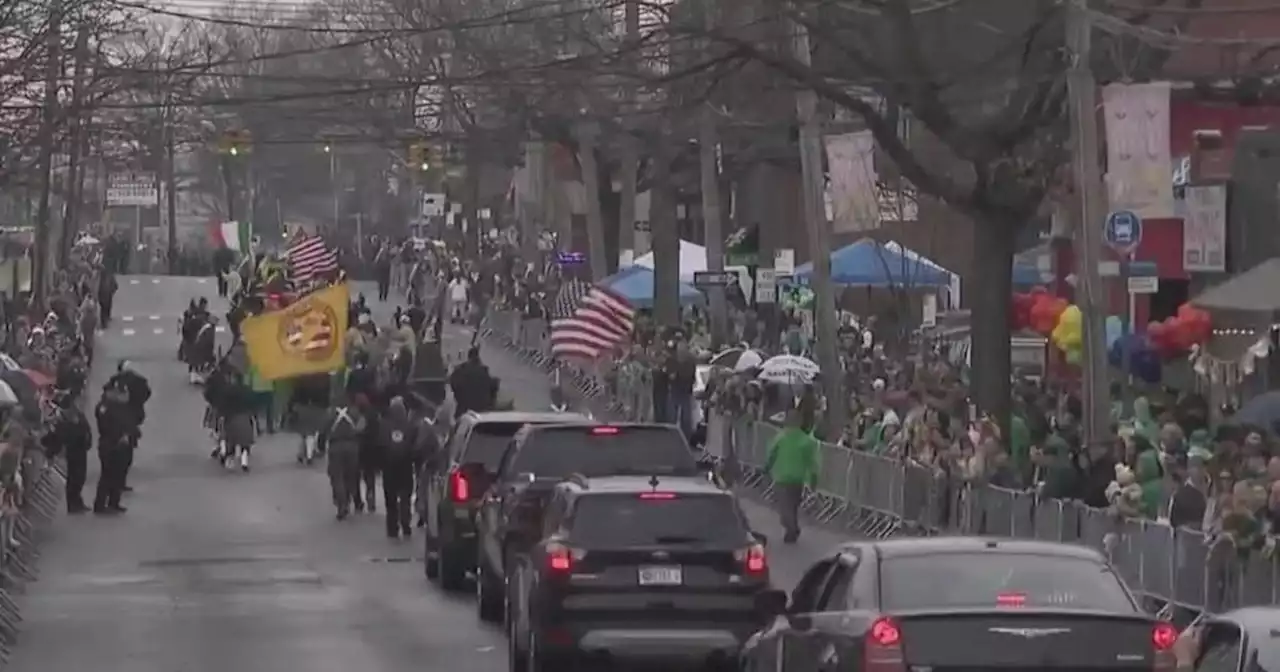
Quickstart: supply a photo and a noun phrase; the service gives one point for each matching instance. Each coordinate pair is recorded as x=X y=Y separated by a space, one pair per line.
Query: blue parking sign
x=1122 y=231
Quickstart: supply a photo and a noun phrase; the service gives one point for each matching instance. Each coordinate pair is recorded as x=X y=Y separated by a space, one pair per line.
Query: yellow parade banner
x=304 y=338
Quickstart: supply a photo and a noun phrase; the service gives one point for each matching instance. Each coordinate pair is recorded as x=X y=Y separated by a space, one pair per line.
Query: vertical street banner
x=1139 y=163
x=852 y=189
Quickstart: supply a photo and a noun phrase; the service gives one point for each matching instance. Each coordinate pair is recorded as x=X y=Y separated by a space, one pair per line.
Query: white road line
x=134 y=281
x=220 y=329
x=126 y=318
x=128 y=332
x=202 y=280
x=154 y=318
x=157 y=330
x=155 y=281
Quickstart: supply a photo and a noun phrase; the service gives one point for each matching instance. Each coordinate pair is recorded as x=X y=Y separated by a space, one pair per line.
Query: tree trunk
x=991 y=369
x=666 y=245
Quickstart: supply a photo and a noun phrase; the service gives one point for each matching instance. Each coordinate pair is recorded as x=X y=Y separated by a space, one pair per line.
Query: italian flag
x=231 y=235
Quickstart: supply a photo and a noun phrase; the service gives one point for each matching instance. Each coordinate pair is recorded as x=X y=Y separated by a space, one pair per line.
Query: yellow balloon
x=1073 y=356
x=1071 y=316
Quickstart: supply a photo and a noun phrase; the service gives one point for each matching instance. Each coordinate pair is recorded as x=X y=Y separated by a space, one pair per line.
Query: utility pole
x=629 y=161
x=171 y=189
x=597 y=257
x=709 y=164
x=815 y=216
x=1083 y=92
x=41 y=265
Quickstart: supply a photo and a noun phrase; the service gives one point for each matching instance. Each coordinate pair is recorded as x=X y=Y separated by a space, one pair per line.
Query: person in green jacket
x=263 y=400
x=792 y=464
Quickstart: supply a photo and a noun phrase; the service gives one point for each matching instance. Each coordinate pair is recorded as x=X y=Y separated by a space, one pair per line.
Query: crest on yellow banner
x=303 y=338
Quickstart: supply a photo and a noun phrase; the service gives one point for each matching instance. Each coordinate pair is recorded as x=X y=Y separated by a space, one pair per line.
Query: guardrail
x=31 y=501
x=875 y=496
x=865 y=495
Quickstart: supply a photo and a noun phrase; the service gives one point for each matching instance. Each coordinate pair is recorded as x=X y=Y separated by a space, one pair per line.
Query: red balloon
x=1186 y=311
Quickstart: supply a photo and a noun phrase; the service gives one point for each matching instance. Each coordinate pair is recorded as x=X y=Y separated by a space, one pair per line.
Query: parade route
x=213 y=570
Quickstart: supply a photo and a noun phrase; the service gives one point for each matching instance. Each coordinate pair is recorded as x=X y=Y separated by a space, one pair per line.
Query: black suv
x=637 y=569
x=454 y=487
x=540 y=457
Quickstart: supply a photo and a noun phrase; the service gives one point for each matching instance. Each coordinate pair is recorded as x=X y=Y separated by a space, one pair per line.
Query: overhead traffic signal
x=236 y=142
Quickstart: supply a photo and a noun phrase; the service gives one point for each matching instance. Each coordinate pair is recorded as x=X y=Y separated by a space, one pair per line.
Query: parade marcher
x=238 y=407
x=89 y=318
x=116 y=432
x=471 y=384
x=344 y=427
x=400 y=462
x=382 y=269
x=458 y=290
x=310 y=404
x=72 y=437
x=793 y=464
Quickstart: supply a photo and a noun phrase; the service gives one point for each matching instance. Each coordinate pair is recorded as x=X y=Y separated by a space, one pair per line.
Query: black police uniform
x=116 y=433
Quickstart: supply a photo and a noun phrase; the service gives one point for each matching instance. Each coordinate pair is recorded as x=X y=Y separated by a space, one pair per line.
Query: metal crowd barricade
x=21 y=527
x=876 y=496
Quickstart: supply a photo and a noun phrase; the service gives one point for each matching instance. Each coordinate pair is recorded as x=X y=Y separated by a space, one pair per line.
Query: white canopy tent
x=693 y=258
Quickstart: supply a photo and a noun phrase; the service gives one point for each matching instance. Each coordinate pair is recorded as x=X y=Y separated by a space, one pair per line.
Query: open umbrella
x=788 y=369
x=24 y=389
x=738 y=359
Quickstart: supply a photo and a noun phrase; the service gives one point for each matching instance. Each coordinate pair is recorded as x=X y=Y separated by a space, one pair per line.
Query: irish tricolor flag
x=232 y=235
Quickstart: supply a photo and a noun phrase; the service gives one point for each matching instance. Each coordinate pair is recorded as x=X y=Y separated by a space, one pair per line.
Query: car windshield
x=556 y=452
x=978 y=580
x=645 y=519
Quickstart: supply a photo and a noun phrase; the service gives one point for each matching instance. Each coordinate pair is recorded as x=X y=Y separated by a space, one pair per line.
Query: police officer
x=137 y=394
x=398 y=439
x=342 y=433
x=71 y=436
x=116 y=432
x=472 y=385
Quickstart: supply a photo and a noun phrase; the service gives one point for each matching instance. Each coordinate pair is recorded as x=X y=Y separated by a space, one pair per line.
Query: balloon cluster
x=1051 y=317
x=1174 y=336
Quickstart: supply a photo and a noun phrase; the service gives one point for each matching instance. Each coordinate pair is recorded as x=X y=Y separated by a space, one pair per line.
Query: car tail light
x=658 y=495
x=1164 y=636
x=559 y=559
x=459 y=486
x=1011 y=600
x=754 y=560
x=604 y=431
x=883 y=650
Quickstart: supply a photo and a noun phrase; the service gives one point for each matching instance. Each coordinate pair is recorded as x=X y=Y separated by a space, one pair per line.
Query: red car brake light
x=1164 y=636
x=459 y=487
x=559 y=559
x=883 y=651
x=658 y=495
x=604 y=431
x=757 y=562
x=1011 y=600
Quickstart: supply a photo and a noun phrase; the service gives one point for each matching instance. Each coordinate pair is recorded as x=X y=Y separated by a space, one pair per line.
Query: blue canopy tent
x=867 y=263
x=635 y=284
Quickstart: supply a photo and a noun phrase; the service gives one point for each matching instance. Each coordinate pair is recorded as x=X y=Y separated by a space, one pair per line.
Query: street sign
x=1144 y=285
x=134 y=189
x=703 y=279
x=571 y=258
x=1122 y=231
x=784 y=261
x=432 y=205
x=766 y=285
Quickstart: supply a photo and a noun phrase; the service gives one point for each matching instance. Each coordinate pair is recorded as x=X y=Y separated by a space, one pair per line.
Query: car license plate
x=661 y=576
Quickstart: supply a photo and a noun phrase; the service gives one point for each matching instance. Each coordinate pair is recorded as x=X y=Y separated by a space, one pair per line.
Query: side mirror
x=770 y=604
x=526 y=478
x=800 y=622
x=761 y=538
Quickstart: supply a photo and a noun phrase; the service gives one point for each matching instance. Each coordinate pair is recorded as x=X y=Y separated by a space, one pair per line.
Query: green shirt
x=793 y=458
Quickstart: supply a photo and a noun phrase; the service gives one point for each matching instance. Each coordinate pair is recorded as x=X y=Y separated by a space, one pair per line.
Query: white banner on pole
x=1204 y=229
x=136 y=189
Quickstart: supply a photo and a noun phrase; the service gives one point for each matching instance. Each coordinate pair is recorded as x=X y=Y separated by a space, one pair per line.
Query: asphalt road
x=213 y=570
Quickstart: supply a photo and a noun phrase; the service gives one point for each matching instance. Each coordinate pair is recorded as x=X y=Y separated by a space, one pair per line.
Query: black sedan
x=955 y=604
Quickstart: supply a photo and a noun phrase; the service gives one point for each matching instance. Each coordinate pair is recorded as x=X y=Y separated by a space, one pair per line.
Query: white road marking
x=134 y=281
x=157 y=330
x=220 y=329
x=127 y=332
x=155 y=281
x=154 y=318
x=126 y=318
x=202 y=280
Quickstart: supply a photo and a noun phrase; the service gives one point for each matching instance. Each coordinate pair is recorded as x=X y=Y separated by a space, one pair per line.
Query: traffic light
x=419 y=156
x=236 y=142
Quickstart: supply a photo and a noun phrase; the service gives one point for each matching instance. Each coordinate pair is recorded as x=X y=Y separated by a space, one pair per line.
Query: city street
x=214 y=570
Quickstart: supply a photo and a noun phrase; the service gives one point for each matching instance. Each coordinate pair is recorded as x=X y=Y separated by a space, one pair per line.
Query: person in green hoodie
x=792 y=464
x=263 y=400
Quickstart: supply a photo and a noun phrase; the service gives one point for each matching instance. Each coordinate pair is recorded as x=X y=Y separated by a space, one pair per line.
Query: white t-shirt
x=458 y=290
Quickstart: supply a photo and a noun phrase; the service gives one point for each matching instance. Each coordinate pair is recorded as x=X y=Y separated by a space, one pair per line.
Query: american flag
x=567 y=300
x=308 y=257
x=600 y=320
